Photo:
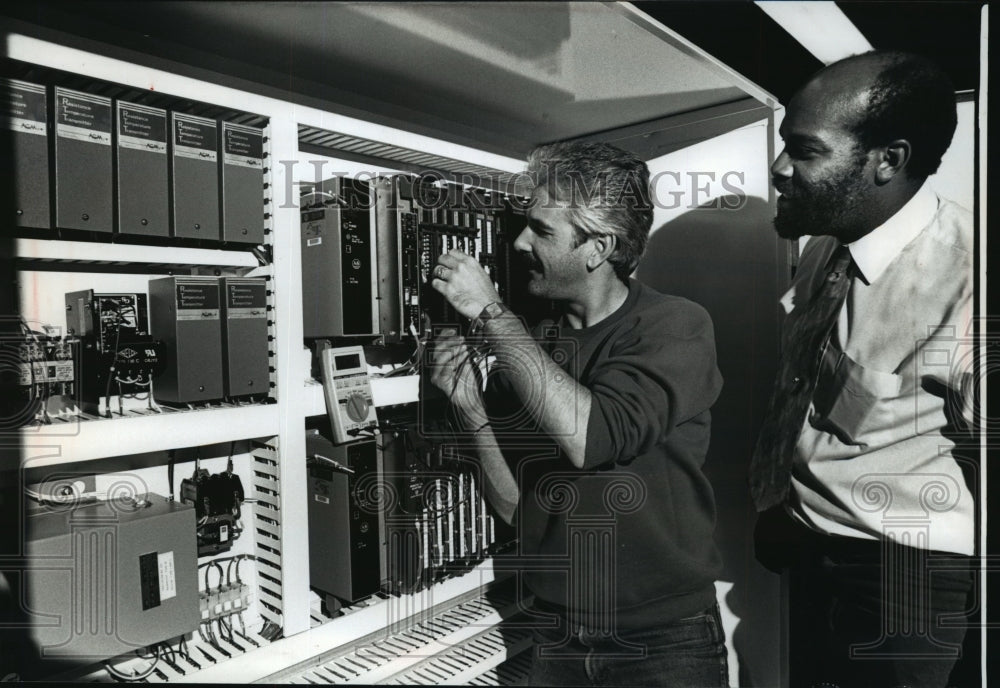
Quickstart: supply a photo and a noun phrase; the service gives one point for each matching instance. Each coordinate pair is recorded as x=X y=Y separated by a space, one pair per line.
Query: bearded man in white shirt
x=856 y=469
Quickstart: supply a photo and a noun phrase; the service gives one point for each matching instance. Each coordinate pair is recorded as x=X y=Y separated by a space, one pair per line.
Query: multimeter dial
x=357 y=407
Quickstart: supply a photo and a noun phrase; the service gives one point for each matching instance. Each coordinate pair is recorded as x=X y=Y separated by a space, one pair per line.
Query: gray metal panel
x=241 y=163
x=30 y=170
x=390 y=290
x=195 y=196
x=194 y=177
x=141 y=171
x=85 y=590
x=242 y=205
x=83 y=185
x=194 y=347
x=344 y=548
x=83 y=161
x=24 y=152
x=329 y=533
x=322 y=305
x=244 y=337
x=142 y=193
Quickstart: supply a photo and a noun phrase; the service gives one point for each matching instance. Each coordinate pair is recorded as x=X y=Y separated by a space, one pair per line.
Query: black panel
x=945 y=31
x=741 y=36
x=149 y=580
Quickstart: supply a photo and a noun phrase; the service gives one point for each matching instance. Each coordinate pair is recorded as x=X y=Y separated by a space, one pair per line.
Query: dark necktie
x=809 y=331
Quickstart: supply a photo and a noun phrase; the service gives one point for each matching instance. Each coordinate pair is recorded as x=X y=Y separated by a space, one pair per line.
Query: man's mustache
x=529 y=261
x=783 y=187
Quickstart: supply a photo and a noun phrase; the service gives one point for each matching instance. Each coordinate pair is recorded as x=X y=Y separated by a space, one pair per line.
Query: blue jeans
x=687 y=653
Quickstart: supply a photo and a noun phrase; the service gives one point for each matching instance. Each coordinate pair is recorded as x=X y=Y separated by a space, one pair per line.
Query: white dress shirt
x=874 y=458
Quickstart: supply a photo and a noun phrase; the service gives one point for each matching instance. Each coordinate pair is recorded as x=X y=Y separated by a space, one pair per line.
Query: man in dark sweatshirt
x=593 y=430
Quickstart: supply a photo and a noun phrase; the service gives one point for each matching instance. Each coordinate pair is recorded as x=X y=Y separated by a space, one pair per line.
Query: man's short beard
x=789 y=224
x=828 y=208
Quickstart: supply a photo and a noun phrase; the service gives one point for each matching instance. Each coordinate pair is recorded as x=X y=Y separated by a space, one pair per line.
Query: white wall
x=955 y=179
x=704 y=173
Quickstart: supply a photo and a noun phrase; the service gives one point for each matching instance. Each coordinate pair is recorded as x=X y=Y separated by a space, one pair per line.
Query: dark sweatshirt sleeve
x=661 y=373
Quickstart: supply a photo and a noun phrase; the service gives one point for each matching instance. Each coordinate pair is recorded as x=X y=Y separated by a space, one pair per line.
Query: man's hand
x=462 y=280
x=454 y=372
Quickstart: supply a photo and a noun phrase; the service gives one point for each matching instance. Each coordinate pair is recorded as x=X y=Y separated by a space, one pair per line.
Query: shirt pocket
x=853 y=402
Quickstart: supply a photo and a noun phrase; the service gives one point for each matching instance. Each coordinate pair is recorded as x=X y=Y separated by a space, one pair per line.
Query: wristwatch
x=490 y=311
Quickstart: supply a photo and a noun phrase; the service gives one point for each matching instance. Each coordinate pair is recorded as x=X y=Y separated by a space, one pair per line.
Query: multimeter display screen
x=344 y=362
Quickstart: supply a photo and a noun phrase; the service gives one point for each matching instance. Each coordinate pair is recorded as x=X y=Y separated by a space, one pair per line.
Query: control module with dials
x=348 y=391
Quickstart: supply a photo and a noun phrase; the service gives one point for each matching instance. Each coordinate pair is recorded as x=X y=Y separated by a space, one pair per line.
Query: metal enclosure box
x=344 y=548
x=244 y=336
x=396 y=219
x=184 y=313
x=242 y=183
x=111 y=577
x=338 y=271
x=141 y=188
x=404 y=529
x=24 y=153
x=194 y=177
x=83 y=161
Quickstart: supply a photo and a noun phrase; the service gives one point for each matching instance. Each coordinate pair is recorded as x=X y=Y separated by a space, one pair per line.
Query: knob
x=357 y=407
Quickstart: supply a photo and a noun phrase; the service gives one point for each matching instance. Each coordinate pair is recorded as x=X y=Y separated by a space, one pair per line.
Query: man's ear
x=602 y=247
x=892 y=160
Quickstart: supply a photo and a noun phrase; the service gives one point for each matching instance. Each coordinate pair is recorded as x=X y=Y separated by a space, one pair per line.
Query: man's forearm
x=499 y=484
x=559 y=404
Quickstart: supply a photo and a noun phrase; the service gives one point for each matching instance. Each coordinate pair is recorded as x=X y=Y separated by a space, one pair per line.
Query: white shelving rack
x=281 y=424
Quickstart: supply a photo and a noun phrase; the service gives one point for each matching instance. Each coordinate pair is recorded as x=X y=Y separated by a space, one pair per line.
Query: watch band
x=489 y=312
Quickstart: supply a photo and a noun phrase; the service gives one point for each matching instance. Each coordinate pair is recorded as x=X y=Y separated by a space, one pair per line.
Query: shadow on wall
x=727 y=260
